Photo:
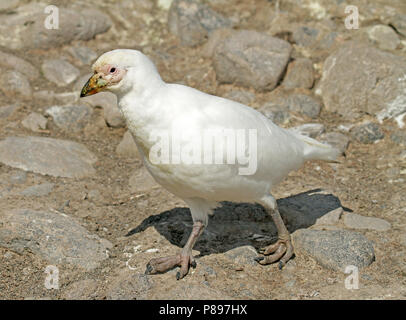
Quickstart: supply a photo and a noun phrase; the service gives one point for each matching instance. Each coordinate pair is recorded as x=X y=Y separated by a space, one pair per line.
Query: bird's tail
x=315 y=150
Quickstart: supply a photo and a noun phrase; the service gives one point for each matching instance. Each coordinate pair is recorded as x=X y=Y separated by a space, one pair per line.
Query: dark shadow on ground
x=238 y=224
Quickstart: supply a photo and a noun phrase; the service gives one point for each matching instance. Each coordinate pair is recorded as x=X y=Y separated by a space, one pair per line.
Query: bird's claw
x=282 y=250
x=161 y=265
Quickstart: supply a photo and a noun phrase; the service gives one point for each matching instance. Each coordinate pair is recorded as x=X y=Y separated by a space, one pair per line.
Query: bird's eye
x=112 y=70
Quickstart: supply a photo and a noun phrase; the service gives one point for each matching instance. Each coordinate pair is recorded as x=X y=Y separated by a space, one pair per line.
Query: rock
x=127 y=147
x=399 y=137
x=300 y=74
x=358 y=79
x=56 y=238
x=331 y=217
x=24 y=29
x=70 y=118
x=215 y=38
x=385 y=37
x=312 y=130
x=275 y=112
x=129 y=286
x=141 y=181
x=59 y=72
x=81 y=290
x=38 y=190
x=47 y=156
x=9 y=61
x=7 y=111
x=243 y=255
x=107 y=101
x=304 y=105
x=193 y=21
x=19 y=178
x=367 y=132
x=244 y=97
x=35 y=122
x=94 y=196
x=305 y=36
x=251 y=59
x=356 y=221
x=335 y=249
x=336 y=140
x=83 y=55
x=15 y=83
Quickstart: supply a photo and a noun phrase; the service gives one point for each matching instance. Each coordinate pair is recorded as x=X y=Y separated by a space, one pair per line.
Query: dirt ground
x=362 y=182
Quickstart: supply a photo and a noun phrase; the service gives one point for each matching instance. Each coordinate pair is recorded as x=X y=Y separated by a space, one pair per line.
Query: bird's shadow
x=237 y=224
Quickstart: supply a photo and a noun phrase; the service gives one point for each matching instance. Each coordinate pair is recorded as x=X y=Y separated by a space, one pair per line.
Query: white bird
x=151 y=106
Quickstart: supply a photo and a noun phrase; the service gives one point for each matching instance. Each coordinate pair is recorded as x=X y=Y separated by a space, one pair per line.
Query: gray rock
x=129 y=286
x=300 y=74
x=336 y=140
x=15 y=83
x=127 y=147
x=244 y=97
x=56 y=238
x=242 y=255
x=193 y=21
x=83 y=55
x=81 y=290
x=251 y=59
x=8 y=4
x=59 y=72
x=111 y=112
x=304 y=105
x=7 y=111
x=277 y=113
x=305 y=36
x=9 y=61
x=331 y=217
x=35 y=122
x=335 y=249
x=25 y=28
x=385 y=37
x=70 y=118
x=47 y=156
x=312 y=130
x=367 y=132
x=358 y=79
x=399 y=137
x=356 y=221
x=38 y=190
x=141 y=181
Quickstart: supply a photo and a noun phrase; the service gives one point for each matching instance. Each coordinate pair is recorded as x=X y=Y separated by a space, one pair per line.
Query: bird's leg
x=183 y=260
x=282 y=249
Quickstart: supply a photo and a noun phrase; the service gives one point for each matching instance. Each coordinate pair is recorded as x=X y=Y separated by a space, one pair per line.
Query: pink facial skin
x=111 y=74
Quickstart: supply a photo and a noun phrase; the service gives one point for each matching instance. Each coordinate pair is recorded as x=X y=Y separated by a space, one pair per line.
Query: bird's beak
x=94 y=85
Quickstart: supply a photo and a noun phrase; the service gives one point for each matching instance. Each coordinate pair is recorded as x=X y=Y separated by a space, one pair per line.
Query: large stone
x=15 y=83
x=56 y=238
x=367 y=132
x=35 y=122
x=300 y=74
x=356 y=221
x=59 y=72
x=336 y=140
x=242 y=256
x=25 y=27
x=192 y=21
x=9 y=61
x=251 y=59
x=385 y=37
x=70 y=118
x=304 y=105
x=358 y=79
x=335 y=249
x=47 y=156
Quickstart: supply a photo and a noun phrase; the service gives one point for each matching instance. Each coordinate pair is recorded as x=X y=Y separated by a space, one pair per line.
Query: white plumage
x=149 y=104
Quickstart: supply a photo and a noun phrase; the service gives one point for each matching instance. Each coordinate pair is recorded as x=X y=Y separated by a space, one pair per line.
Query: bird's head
x=118 y=71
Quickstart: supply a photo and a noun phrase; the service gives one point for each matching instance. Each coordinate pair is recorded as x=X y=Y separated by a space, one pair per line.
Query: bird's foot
x=281 y=250
x=161 y=265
